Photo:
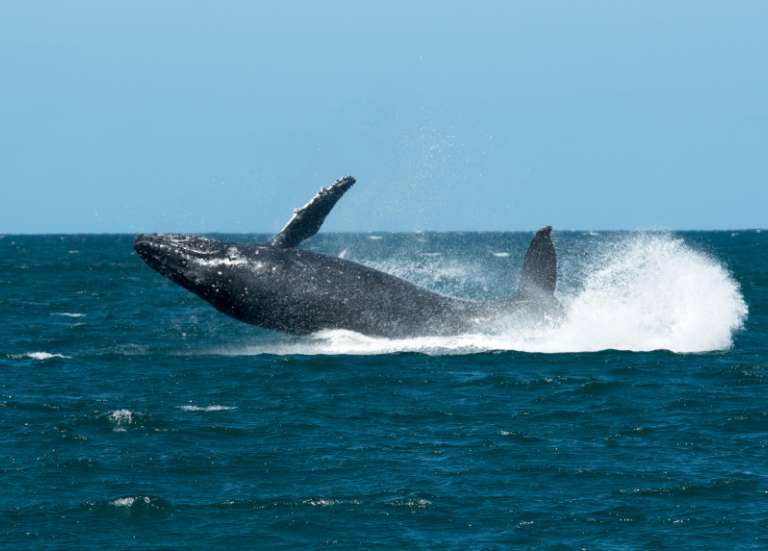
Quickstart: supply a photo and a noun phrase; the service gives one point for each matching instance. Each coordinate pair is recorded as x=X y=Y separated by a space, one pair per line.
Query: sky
x=223 y=116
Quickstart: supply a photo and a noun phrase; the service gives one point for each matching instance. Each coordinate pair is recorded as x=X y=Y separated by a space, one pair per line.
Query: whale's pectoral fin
x=539 y=274
x=307 y=220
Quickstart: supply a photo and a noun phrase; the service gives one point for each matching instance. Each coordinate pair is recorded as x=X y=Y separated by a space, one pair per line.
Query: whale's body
x=279 y=286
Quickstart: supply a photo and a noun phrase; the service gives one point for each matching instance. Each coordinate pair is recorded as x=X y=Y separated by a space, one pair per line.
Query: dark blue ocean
x=134 y=416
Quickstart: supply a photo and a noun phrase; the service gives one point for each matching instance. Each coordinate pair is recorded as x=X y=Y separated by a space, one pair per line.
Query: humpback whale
x=279 y=286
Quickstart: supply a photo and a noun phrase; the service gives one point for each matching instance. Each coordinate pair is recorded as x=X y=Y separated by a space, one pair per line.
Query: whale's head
x=258 y=284
x=207 y=267
x=180 y=258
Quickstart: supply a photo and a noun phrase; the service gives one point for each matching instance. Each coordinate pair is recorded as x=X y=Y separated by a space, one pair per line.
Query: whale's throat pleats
x=307 y=220
x=539 y=275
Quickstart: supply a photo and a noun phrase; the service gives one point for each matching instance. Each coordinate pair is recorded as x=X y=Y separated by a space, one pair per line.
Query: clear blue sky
x=496 y=115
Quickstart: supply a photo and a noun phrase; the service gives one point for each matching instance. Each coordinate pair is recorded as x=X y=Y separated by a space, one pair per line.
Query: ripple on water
x=414 y=503
x=719 y=489
x=326 y=502
x=134 y=505
x=209 y=408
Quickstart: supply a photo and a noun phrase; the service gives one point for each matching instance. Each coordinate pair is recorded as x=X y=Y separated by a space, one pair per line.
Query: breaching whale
x=279 y=286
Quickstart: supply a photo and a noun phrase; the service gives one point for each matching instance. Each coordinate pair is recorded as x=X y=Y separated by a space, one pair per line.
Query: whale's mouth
x=157 y=252
x=172 y=255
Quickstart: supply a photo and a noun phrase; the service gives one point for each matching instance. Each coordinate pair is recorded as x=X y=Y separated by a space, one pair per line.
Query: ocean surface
x=134 y=416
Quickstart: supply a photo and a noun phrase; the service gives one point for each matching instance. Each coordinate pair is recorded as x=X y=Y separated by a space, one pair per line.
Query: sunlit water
x=132 y=415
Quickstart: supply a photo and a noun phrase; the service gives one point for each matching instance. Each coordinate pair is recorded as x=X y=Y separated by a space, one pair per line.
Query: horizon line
x=386 y=232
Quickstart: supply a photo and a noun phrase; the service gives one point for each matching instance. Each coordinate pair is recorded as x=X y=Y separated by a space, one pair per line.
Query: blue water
x=134 y=416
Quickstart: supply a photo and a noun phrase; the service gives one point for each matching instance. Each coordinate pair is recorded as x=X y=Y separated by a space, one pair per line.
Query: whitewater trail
x=642 y=293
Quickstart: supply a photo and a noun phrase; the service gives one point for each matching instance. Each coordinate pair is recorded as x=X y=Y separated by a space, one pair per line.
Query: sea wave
x=68 y=314
x=39 y=356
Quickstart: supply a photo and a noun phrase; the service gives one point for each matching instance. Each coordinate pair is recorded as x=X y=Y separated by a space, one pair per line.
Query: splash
x=651 y=293
x=129 y=501
x=120 y=419
x=642 y=293
x=449 y=276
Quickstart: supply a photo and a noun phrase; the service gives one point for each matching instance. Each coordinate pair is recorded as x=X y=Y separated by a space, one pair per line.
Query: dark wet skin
x=285 y=288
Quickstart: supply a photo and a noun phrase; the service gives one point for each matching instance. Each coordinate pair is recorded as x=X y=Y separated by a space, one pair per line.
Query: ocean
x=135 y=416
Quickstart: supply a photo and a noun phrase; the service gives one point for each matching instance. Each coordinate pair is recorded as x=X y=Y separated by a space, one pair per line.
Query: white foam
x=214 y=407
x=40 y=356
x=642 y=293
x=501 y=254
x=121 y=418
x=69 y=314
x=650 y=293
x=129 y=501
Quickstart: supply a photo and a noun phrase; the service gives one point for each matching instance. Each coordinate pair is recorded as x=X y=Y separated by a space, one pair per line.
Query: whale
x=279 y=286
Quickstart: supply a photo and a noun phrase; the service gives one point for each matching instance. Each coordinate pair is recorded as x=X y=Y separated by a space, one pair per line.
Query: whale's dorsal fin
x=539 y=275
x=307 y=220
